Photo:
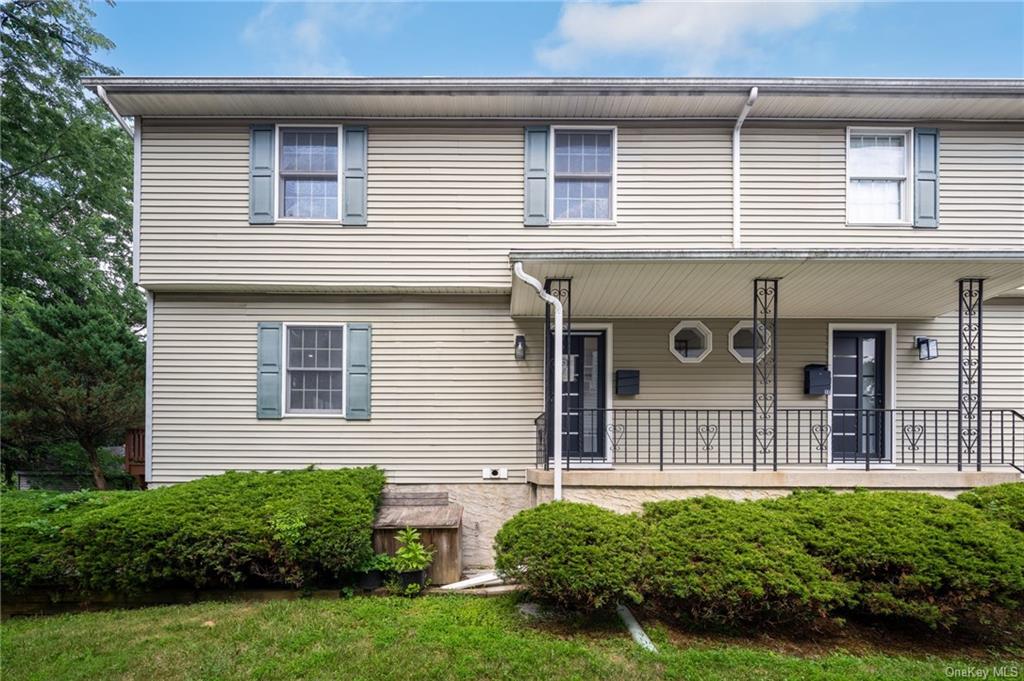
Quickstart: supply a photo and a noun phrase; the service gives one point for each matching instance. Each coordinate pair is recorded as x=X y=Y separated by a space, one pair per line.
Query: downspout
x=557 y=361
x=102 y=94
x=736 y=240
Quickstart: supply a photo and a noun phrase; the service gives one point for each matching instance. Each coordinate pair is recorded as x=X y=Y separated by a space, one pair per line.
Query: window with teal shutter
x=926 y=178
x=359 y=374
x=268 y=370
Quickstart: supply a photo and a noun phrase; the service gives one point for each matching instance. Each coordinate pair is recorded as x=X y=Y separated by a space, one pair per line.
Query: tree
x=65 y=207
x=65 y=171
x=71 y=372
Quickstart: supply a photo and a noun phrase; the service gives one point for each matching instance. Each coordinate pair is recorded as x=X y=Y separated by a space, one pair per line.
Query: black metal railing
x=724 y=437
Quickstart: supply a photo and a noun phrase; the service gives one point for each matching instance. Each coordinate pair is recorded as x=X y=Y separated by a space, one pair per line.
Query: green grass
x=443 y=637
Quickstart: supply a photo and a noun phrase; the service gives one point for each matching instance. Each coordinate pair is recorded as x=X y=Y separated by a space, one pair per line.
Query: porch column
x=969 y=363
x=765 y=371
x=561 y=289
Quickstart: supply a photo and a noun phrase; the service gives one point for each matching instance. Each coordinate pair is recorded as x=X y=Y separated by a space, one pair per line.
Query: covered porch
x=777 y=360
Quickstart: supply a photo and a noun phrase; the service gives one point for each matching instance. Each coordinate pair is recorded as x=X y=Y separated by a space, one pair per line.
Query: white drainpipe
x=736 y=241
x=102 y=94
x=556 y=429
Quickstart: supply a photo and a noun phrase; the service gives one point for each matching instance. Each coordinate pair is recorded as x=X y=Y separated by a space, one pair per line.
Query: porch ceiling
x=838 y=284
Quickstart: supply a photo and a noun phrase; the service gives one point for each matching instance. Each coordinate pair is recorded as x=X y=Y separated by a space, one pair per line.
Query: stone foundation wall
x=486 y=508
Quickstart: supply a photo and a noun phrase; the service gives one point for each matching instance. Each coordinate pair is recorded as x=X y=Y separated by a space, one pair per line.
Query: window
x=741 y=342
x=878 y=167
x=689 y=341
x=315 y=364
x=308 y=176
x=584 y=163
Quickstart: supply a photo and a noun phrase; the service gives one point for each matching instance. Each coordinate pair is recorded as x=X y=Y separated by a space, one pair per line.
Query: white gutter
x=736 y=167
x=149 y=385
x=556 y=409
x=102 y=94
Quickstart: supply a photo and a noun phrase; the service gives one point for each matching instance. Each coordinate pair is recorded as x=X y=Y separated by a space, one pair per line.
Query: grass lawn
x=438 y=637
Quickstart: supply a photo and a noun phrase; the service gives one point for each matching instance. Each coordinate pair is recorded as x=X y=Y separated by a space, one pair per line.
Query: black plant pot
x=374 y=579
x=414 y=577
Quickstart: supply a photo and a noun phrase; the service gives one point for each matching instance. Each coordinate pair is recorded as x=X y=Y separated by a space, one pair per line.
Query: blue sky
x=643 y=38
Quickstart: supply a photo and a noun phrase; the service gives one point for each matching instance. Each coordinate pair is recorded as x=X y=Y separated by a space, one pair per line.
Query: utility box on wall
x=627 y=382
x=817 y=380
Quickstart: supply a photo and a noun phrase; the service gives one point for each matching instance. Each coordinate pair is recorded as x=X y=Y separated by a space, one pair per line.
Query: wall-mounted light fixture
x=520 y=348
x=927 y=348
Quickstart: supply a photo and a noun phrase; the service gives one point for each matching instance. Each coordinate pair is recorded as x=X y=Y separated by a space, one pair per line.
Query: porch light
x=927 y=348
x=520 y=348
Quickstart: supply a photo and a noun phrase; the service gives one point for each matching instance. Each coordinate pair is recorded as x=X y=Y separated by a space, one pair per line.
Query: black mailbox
x=817 y=380
x=627 y=382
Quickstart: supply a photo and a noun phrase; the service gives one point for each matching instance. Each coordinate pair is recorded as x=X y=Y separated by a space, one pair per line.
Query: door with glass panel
x=583 y=403
x=858 y=396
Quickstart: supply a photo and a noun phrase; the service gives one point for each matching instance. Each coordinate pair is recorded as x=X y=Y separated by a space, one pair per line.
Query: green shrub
x=999 y=502
x=910 y=556
x=715 y=561
x=572 y=555
x=33 y=525
x=293 y=528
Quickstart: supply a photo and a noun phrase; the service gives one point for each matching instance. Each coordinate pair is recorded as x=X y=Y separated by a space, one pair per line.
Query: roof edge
x=670 y=255
x=951 y=87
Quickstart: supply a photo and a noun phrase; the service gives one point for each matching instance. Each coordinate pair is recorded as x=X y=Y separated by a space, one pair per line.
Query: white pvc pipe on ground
x=635 y=630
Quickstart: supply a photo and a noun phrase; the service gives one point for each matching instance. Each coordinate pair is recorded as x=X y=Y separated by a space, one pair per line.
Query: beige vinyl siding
x=722 y=382
x=448 y=397
x=445 y=206
x=794 y=191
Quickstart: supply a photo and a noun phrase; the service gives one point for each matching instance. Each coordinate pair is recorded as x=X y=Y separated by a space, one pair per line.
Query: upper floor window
x=308 y=176
x=584 y=162
x=878 y=166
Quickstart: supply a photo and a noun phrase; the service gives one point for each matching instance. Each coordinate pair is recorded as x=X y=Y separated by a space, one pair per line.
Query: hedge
x=900 y=556
x=716 y=561
x=294 y=528
x=999 y=502
x=573 y=555
x=912 y=556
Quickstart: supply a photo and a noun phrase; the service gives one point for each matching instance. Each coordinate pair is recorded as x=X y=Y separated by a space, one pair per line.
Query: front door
x=583 y=403
x=858 y=396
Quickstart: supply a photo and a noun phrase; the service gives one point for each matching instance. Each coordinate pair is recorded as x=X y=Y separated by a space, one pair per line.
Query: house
x=344 y=271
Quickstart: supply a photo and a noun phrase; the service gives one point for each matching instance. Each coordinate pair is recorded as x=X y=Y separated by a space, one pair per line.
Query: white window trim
x=740 y=325
x=284 y=371
x=890 y=383
x=908 y=204
x=614 y=193
x=690 y=324
x=278 y=218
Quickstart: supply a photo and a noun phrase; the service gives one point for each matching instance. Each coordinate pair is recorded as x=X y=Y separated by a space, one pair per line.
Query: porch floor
x=791 y=477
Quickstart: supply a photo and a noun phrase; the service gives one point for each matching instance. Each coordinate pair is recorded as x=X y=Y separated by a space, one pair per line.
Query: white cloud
x=688 y=36
x=309 y=38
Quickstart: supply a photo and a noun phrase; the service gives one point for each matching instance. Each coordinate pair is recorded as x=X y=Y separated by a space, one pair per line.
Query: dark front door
x=858 y=396
x=583 y=403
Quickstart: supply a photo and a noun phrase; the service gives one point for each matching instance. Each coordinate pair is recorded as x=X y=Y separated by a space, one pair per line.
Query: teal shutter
x=353 y=191
x=926 y=177
x=357 y=399
x=261 y=174
x=268 y=370
x=536 y=208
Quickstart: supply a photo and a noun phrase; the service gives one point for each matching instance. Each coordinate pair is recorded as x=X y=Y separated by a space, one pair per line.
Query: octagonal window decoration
x=690 y=342
x=741 y=342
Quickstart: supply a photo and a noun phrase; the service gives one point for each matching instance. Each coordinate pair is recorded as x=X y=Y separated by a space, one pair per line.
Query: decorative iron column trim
x=765 y=371
x=969 y=372
x=560 y=288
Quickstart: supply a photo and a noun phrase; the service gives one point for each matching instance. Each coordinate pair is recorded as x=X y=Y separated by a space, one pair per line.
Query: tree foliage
x=71 y=372
x=65 y=206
